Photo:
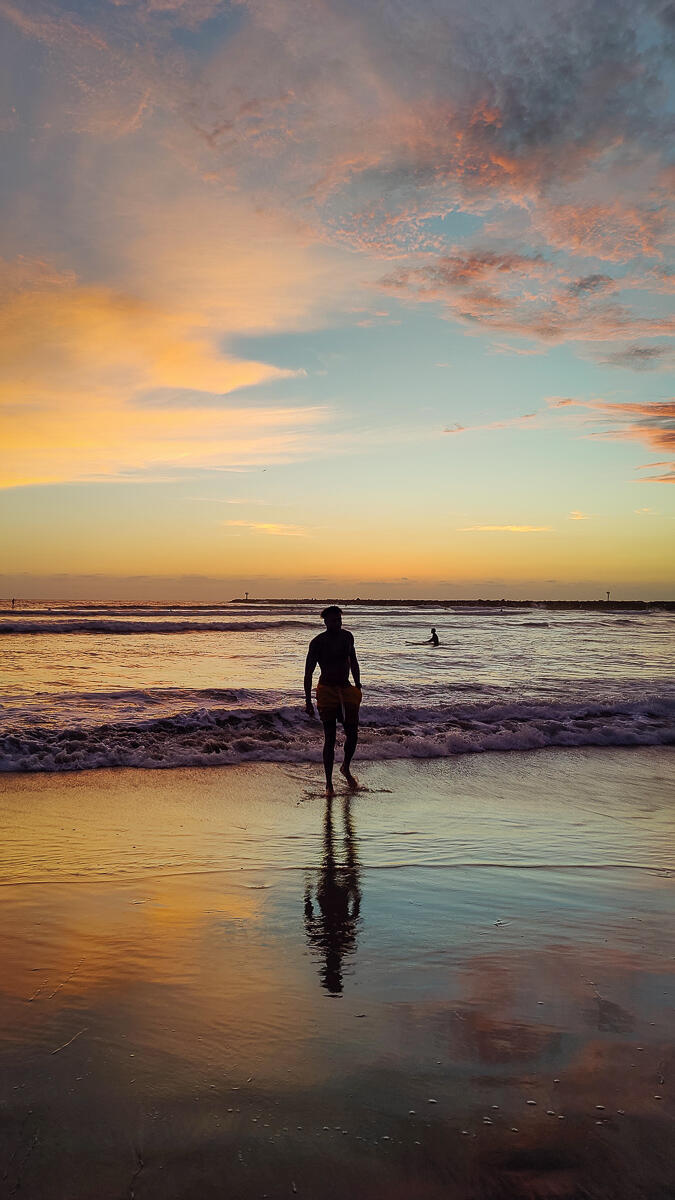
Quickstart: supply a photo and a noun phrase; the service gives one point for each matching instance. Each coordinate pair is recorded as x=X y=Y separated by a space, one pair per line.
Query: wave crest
x=215 y=736
x=104 y=625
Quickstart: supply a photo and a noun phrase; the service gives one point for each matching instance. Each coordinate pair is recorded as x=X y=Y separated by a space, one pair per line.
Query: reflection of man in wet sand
x=332 y=930
x=336 y=698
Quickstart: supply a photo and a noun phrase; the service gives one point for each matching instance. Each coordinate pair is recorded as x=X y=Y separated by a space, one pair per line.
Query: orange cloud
x=78 y=363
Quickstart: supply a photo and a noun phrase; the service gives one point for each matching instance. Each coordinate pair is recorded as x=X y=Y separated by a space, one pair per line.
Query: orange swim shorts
x=338 y=703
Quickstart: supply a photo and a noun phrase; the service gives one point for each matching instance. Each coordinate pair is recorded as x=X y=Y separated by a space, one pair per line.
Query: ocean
x=156 y=686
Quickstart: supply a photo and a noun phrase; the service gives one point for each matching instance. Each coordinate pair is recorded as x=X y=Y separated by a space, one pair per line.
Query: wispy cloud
x=271 y=528
x=667 y=476
x=526 y=420
x=506 y=529
x=576 y=515
x=641 y=358
x=247 y=501
x=651 y=422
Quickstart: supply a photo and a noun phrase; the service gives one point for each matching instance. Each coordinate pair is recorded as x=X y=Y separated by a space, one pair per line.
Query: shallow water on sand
x=458 y=983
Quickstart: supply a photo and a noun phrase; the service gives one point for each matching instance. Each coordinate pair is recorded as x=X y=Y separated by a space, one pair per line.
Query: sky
x=325 y=298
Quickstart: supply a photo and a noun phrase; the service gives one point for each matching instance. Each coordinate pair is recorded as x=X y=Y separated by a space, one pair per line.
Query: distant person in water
x=433 y=640
x=336 y=698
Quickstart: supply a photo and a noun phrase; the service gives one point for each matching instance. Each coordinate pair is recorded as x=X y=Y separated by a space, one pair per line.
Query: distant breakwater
x=572 y=605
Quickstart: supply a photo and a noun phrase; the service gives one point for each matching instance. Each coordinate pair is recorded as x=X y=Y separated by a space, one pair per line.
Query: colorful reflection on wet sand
x=322 y=1018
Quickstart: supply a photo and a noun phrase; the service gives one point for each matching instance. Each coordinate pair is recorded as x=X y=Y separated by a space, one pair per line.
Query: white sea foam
x=218 y=735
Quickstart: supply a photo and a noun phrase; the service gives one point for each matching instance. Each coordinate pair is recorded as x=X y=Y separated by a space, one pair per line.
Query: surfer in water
x=336 y=698
x=433 y=640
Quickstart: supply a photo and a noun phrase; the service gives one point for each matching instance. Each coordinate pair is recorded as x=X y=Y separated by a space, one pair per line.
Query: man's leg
x=351 y=739
x=329 y=735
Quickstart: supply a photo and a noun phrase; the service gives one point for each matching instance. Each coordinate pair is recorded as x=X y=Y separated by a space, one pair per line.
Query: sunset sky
x=318 y=297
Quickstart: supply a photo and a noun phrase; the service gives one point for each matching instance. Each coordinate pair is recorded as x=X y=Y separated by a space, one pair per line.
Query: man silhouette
x=336 y=698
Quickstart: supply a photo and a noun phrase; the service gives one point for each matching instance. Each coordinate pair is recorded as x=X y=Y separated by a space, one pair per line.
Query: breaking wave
x=218 y=735
x=104 y=625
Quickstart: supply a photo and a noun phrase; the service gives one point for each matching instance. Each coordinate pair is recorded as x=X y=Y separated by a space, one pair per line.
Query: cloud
x=182 y=194
x=77 y=362
x=592 y=283
x=640 y=358
x=526 y=420
x=272 y=528
x=506 y=529
x=668 y=475
x=53 y=30
x=575 y=515
x=651 y=422
x=245 y=500
x=427 y=109
x=615 y=232
x=645 y=512
x=525 y=295
x=521 y=351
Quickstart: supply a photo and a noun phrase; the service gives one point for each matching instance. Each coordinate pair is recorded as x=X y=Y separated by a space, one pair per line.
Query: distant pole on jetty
x=246 y=595
x=607 y=597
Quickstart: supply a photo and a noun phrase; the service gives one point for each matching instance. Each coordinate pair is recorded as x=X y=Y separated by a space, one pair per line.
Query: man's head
x=332 y=618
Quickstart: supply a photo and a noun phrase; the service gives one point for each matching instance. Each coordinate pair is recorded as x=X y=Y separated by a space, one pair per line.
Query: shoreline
x=577 y=805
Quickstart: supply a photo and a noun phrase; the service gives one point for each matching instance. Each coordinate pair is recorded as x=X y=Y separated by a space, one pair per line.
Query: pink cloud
x=528 y=296
x=613 y=232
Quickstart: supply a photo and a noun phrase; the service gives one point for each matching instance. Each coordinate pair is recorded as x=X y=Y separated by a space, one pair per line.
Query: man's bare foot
x=351 y=779
x=330 y=791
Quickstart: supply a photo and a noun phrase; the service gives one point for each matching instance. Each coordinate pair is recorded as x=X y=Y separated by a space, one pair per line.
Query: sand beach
x=460 y=982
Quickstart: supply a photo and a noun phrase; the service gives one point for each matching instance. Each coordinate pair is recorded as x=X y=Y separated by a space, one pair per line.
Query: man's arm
x=310 y=664
x=354 y=664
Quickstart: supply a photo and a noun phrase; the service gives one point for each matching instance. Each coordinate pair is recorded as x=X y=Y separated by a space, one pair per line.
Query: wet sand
x=459 y=983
